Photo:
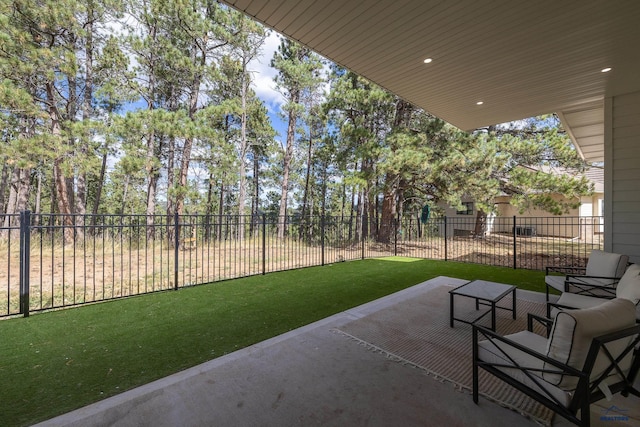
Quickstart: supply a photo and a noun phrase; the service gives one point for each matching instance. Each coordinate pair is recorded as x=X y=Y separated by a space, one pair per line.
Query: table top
x=482 y=289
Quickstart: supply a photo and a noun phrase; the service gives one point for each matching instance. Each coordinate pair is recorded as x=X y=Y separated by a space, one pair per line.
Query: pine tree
x=363 y=113
x=298 y=71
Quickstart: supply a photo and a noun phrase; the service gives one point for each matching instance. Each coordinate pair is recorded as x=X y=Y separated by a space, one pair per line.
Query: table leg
x=477 y=304
x=493 y=316
x=513 y=297
x=451 y=310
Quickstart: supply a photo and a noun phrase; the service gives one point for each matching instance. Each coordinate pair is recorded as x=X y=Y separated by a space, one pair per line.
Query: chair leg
x=547 y=289
x=585 y=414
x=627 y=391
x=475 y=383
x=475 y=365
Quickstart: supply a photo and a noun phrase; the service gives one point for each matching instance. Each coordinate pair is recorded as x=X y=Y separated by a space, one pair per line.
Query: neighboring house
x=582 y=222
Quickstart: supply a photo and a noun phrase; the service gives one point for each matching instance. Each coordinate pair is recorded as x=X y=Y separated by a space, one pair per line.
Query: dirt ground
x=99 y=270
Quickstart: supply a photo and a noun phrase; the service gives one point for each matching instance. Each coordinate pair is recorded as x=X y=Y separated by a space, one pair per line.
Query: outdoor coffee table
x=485 y=293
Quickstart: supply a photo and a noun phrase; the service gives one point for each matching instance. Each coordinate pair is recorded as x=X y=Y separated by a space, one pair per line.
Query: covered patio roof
x=492 y=61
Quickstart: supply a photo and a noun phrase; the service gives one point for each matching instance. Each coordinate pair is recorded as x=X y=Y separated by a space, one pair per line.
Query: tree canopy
x=149 y=107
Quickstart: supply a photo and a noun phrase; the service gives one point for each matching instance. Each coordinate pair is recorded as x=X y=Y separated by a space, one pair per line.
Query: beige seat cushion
x=629 y=285
x=574 y=330
x=628 y=288
x=494 y=352
x=579 y=301
x=556 y=282
x=600 y=264
x=606 y=264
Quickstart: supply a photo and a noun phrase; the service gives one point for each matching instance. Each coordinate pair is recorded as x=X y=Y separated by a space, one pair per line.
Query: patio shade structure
x=493 y=61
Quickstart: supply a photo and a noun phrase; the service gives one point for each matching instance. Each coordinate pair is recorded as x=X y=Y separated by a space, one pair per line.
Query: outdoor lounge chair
x=598 y=278
x=591 y=354
x=628 y=288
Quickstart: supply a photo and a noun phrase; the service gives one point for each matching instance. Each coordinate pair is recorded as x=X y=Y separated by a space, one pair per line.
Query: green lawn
x=54 y=362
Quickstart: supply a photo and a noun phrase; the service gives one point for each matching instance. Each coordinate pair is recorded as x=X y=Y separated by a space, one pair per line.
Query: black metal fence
x=51 y=261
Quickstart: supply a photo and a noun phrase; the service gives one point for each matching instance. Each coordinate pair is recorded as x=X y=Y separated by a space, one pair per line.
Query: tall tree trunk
x=151 y=167
x=125 y=191
x=323 y=206
x=256 y=185
x=18 y=195
x=220 y=211
x=343 y=207
x=37 y=209
x=286 y=166
x=72 y=116
x=352 y=214
x=13 y=199
x=64 y=203
x=172 y=185
x=242 y=190
x=363 y=200
x=87 y=111
x=372 y=214
x=242 y=173
x=24 y=189
x=54 y=195
x=255 y=200
x=18 y=198
x=389 y=209
x=305 y=195
x=152 y=176
x=184 y=172
x=4 y=186
x=208 y=209
x=98 y=197
x=62 y=195
x=171 y=180
x=480 y=227
x=194 y=96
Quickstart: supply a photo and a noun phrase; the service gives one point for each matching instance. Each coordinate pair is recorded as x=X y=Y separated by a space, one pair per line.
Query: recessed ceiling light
x=479 y=102
x=428 y=60
x=606 y=70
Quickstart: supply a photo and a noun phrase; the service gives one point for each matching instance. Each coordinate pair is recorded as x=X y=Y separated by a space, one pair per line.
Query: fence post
x=25 y=253
x=264 y=244
x=446 y=251
x=322 y=232
x=176 y=245
x=515 y=255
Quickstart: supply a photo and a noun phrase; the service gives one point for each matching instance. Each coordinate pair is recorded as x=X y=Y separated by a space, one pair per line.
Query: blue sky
x=265 y=87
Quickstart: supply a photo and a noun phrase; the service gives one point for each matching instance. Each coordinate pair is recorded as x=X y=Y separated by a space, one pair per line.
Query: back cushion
x=573 y=331
x=606 y=264
x=629 y=285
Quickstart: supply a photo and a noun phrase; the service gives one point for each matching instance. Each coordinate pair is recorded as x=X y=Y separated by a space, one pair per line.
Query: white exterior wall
x=586 y=206
x=622 y=175
x=570 y=225
x=459 y=223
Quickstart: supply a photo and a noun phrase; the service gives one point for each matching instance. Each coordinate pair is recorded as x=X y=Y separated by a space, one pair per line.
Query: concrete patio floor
x=310 y=376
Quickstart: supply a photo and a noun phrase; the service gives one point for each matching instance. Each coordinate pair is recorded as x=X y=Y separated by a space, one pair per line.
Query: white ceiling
x=520 y=57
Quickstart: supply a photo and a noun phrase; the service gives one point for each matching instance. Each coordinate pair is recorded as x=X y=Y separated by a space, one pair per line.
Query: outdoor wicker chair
x=598 y=278
x=590 y=354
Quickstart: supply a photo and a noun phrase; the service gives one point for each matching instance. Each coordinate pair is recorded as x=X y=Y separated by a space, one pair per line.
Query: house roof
x=596 y=176
x=518 y=57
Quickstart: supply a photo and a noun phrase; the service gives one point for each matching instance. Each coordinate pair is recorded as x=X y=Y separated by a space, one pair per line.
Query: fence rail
x=53 y=261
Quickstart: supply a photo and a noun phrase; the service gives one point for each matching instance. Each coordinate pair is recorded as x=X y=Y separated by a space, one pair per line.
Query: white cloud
x=263 y=74
x=264 y=86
